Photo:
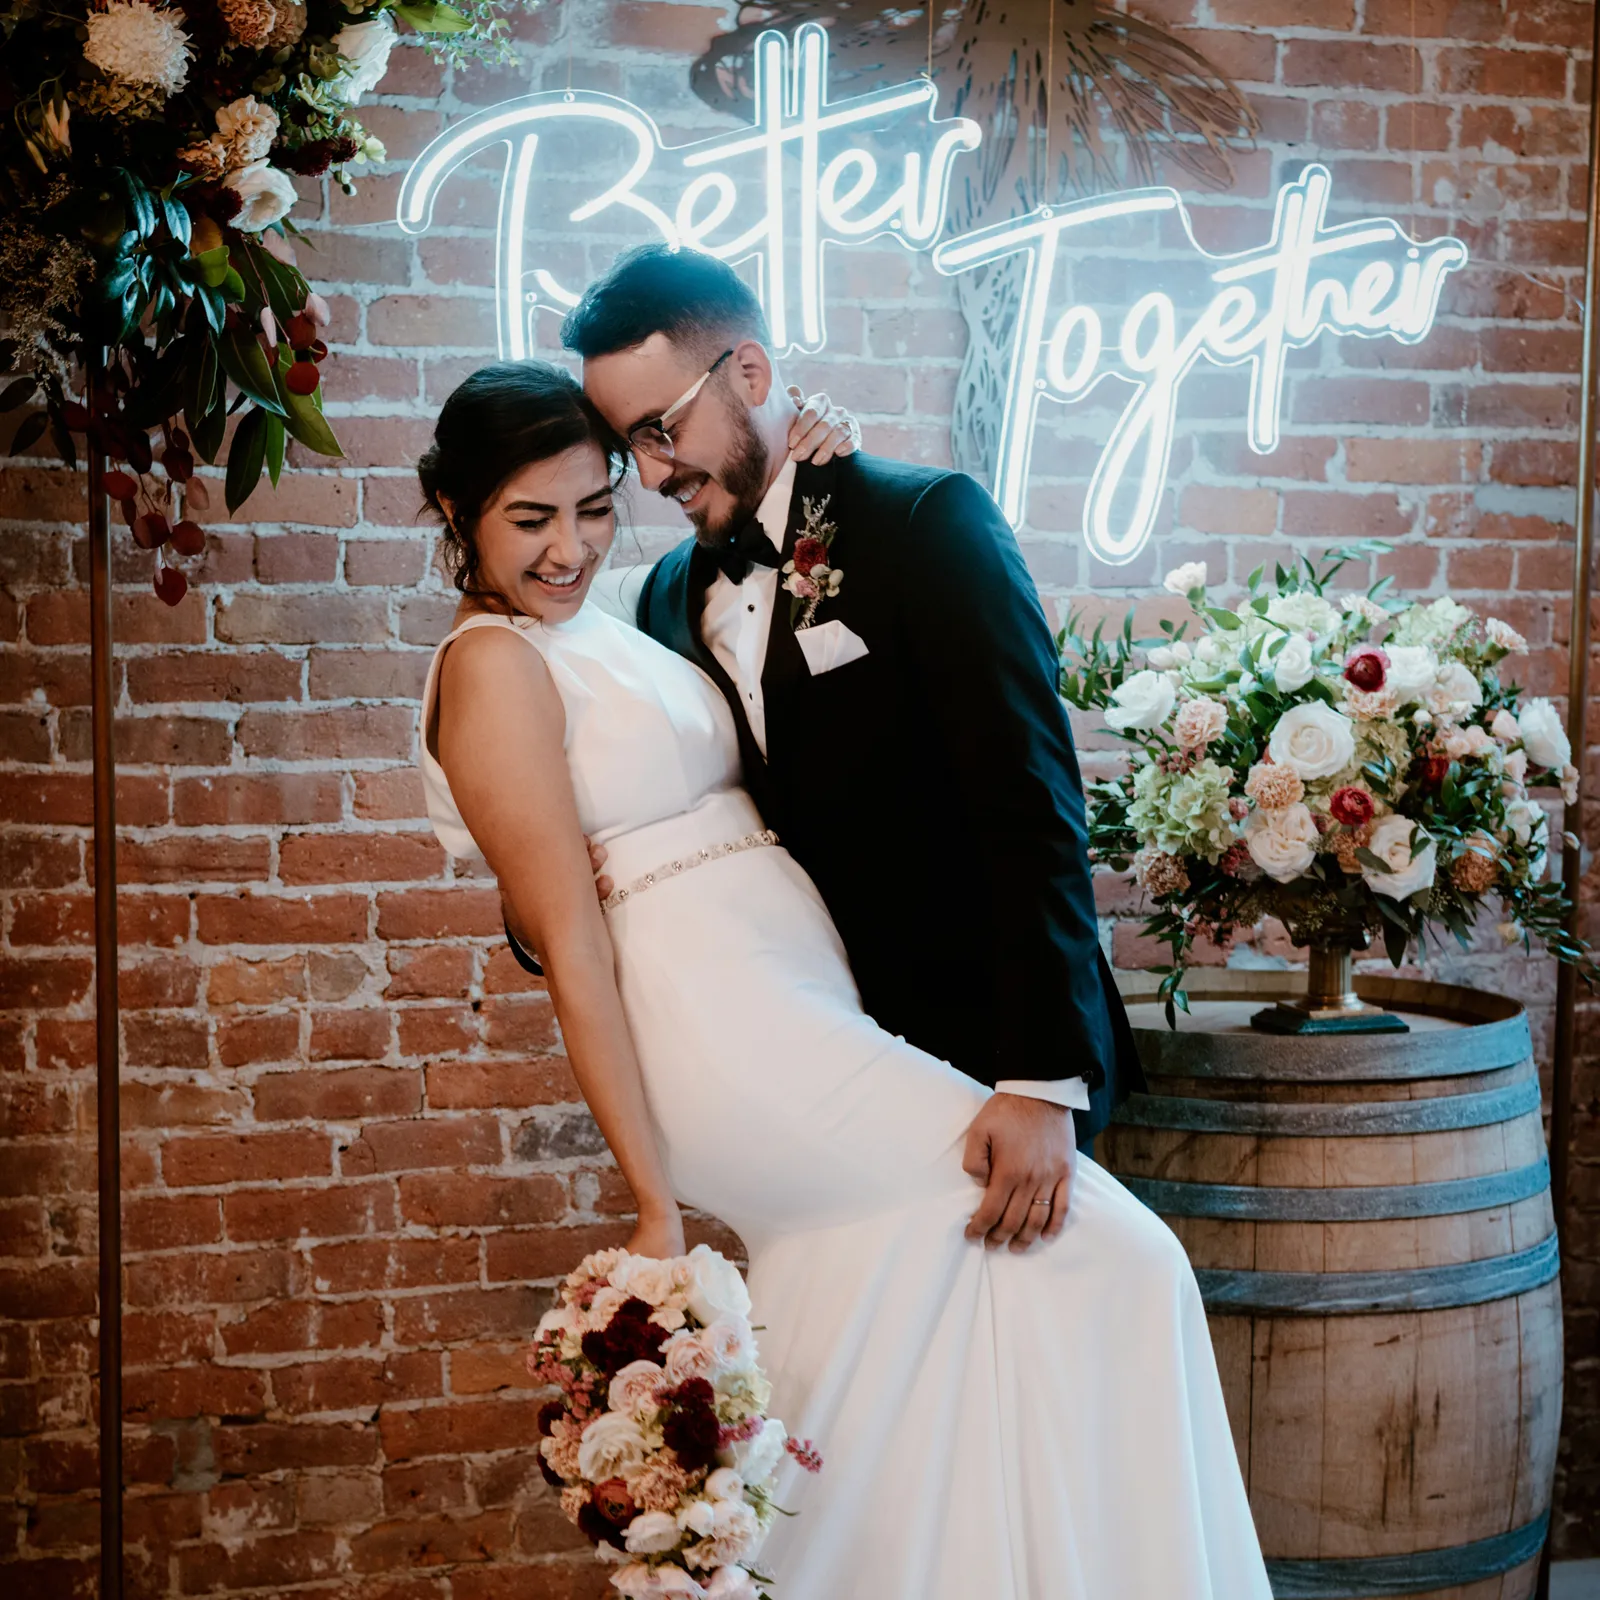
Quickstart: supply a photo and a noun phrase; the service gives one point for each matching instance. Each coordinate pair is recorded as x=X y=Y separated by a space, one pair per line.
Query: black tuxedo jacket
x=930 y=788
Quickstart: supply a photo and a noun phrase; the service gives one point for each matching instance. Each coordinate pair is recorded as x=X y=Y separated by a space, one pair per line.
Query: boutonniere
x=809 y=577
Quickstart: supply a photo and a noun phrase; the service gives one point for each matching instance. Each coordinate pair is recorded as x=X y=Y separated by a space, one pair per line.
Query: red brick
x=420 y=320
x=436 y=1030
x=346 y=1209
x=439 y=972
x=368 y=674
x=393 y=1263
x=209 y=676
x=245 y=1158
x=302 y=619
x=252 y=1040
x=392 y=796
x=170 y=1222
x=179 y=1392
x=412 y=1146
x=440 y=914
x=280 y=1447
x=468 y=1200
x=264 y=798
x=1412 y=461
x=350 y=733
x=349 y=1034
x=1337 y=64
x=345 y=1385
x=456 y=1429
x=281 y=919
x=360 y=858
x=187 y=858
x=283 y=1327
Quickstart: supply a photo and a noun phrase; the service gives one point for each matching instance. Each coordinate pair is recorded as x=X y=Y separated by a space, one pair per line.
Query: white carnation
x=267 y=193
x=1191 y=575
x=1282 y=842
x=366 y=46
x=1455 y=691
x=725 y=1484
x=138 y=43
x=1391 y=843
x=756 y=1459
x=1143 y=701
x=731 y=1583
x=1313 y=741
x=248 y=129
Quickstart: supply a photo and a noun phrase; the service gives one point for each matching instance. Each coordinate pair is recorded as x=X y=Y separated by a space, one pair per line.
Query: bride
x=1044 y=1425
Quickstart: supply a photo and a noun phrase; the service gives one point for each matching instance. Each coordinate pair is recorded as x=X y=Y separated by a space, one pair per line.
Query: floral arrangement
x=658 y=1440
x=807 y=577
x=1352 y=764
x=148 y=280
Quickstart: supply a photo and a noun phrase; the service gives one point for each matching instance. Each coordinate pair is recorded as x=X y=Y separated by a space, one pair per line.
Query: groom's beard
x=743 y=478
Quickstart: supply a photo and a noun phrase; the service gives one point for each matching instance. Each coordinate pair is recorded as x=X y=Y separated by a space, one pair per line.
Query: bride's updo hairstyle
x=500 y=420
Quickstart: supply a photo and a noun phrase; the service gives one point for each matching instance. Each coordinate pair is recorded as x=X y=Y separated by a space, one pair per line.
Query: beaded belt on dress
x=687 y=863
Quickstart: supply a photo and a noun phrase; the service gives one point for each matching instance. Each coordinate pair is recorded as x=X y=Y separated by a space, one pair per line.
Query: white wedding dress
x=1044 y=1426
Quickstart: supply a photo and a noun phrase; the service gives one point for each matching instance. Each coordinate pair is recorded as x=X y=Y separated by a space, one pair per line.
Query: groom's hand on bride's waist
x=1021 y=1150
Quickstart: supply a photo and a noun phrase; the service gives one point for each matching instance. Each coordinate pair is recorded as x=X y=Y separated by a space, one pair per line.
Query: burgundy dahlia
x=550 y=1413
x=809 y=553
x=1367 y=668
x=691 y=1433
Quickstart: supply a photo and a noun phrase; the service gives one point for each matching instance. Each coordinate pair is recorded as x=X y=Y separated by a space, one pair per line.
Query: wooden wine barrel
x=1369 y=1218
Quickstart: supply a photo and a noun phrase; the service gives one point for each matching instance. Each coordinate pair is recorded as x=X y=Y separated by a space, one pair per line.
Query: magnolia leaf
x=433 y=16
x=213 y=265
x=276 y=438
x=16 y=393
x=177 y=219
x=304 y=419
x=245 y=458
x=246 y=363
x=28 y=433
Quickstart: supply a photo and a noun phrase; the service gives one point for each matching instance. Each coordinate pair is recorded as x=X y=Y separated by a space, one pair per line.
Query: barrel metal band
x=1437 y=1114
x=1364 y=1203
x=1311 y=1294
x=1360 y=1577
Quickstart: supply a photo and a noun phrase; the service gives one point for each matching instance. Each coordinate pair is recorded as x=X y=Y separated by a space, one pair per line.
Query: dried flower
x=248 y=129
x=249 y=22
x=1160 y=873
x=289 y=27
x=1475 y=870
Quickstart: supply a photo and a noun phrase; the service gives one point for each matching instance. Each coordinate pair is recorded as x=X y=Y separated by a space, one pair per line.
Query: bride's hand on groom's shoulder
x=1021 y=1150
x=822 y=430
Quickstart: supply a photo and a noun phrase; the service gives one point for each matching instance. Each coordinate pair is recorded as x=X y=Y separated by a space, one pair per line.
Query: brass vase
x=1330 y=1003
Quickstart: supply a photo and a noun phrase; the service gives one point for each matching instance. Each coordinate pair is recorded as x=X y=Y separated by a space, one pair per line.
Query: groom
x=893 y=682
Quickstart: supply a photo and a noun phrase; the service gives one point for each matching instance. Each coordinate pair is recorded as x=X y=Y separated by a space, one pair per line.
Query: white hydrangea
x=1303 y=612
x=137 y=43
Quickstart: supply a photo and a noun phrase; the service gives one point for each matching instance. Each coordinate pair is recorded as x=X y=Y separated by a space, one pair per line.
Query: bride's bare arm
x=501 y=728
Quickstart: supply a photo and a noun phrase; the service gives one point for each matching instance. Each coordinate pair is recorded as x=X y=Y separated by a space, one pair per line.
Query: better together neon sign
x=805 y=177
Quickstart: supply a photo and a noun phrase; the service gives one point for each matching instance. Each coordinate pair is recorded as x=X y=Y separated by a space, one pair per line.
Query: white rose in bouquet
x=725 y=1484
x=1413 y=669
x=1391 y=844
x=1455 y=691
x=643 y=1278
x=652 y=1532
x=1313 y=741
x=716 y=1288
x=1292 y=667
x=1143 y=701
x=1304 y=612
x=634 y=1387
x=731 y=1583
x=689 y=1356
x=610 y=1442
x=1283 y=843
x=366 y=46
x=732 y=1344
x=734 y=1534
x=1543 y=737
x=756 y=1459
x=268 y=195
x=1191 y=575
x=697 y=1518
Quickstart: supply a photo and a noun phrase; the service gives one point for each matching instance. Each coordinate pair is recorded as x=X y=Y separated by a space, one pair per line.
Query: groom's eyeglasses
x=651 y=438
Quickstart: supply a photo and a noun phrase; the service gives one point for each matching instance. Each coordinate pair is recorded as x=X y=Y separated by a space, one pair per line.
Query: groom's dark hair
x=696 y=300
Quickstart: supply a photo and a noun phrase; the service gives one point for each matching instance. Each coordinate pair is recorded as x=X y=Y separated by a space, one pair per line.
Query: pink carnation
x=1273 y=787
x=1199 y=723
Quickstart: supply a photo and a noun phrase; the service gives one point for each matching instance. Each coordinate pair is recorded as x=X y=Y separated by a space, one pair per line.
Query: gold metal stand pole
x=108 y=1055
x=1577 y=699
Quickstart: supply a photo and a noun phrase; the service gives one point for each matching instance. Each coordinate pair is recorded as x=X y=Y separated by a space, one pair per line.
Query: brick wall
x=355 y=1157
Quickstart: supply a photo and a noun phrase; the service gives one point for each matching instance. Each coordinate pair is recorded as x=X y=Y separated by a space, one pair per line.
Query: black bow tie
x=750 y=546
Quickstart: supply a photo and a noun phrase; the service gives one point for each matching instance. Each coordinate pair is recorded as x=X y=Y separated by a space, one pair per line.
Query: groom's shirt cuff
x=1073 y=1093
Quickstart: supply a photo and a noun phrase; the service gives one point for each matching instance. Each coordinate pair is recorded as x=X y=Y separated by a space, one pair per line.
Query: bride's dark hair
x=500 y=420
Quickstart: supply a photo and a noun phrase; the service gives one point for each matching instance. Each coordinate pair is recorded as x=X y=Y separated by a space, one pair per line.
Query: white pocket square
x=827 y=645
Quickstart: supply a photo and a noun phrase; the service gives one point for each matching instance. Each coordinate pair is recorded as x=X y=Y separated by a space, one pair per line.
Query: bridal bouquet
x=148 y=164
x=1350 y=764
x=659 y=1440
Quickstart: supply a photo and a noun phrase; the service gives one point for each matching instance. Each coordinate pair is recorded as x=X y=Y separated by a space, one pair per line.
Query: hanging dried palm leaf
x=1125 y=92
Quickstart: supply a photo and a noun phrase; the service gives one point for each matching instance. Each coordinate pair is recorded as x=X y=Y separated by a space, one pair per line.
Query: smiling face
x=546 y=531
x=722 y=459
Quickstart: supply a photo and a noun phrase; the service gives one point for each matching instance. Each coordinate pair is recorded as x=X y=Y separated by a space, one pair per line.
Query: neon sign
x=735 y=200
x=813 y=172
x=1268 y=301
